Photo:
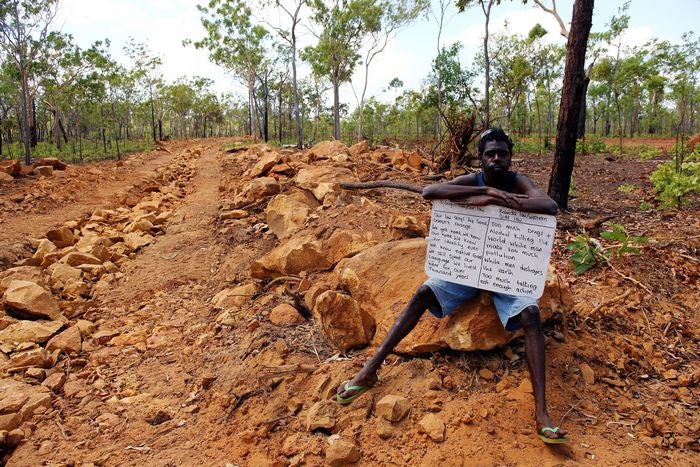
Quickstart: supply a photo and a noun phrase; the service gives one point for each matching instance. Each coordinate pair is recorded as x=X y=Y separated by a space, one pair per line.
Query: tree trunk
x=336 y=109
x=581 y=130
x=487 y=66
x=153 y=118
x=570 y=107
x=295 y=91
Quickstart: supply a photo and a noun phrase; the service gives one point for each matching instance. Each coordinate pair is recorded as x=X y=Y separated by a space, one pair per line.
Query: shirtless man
x=496 y=184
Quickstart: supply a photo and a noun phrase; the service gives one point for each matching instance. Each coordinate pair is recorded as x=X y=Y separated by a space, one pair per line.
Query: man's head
x=495 y=151
x=494 y=134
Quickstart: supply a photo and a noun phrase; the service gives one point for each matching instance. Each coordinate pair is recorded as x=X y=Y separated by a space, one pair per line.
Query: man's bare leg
x=407 y=320
x=534 y=351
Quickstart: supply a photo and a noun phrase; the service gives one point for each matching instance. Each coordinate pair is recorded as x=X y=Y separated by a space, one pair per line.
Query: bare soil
x=205 y=393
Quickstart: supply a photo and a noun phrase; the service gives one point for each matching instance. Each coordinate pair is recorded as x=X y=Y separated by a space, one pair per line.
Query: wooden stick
x=381 y=184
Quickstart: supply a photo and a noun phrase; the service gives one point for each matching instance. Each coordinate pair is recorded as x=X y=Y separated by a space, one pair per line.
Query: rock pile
x=372 y=250
x=44 y=295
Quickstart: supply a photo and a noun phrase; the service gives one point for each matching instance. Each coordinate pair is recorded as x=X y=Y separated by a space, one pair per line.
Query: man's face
x=496 y=157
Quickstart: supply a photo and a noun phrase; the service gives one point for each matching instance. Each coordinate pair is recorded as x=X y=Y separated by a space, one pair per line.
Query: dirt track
x=181 y=388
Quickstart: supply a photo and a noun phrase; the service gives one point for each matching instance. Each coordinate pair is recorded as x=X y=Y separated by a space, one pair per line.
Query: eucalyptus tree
x=63 y=72
x=145 y=70
x=394 y=15
x=570 y=106
x=234 y=43
x=486 y=6
x=24 y=27
x=8 y=100
x=292 y=10
x=512 y=69
x=181 y=99
x=682 y=63
x=344 y=25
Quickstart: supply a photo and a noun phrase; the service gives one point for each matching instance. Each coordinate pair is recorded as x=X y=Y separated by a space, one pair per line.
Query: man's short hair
x=494 y=134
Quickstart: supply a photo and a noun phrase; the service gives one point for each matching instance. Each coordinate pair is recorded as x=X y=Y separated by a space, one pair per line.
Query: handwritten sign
x=491 y=247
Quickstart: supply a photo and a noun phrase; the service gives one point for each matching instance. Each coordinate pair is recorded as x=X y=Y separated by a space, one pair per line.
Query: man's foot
x=351 y=390
x=549 y=432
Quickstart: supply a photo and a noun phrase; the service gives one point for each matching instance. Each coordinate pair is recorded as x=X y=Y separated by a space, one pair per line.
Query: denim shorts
x=451 y=295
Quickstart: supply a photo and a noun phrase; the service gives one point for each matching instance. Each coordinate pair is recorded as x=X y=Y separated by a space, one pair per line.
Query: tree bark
x=581 y=131
x=570 y=107
x=336 y=109
x=487 y=65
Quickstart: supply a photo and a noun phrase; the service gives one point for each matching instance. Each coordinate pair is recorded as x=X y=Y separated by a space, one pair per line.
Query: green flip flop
x=359 y=388
x=554 y=430
x=346 y=400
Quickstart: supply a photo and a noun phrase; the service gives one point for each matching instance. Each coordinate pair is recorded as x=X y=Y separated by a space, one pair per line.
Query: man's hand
x=505 y=196
x=477 y=200
x=493 y=196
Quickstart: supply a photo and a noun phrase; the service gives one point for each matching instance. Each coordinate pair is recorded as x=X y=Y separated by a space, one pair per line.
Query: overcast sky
x=164 y=24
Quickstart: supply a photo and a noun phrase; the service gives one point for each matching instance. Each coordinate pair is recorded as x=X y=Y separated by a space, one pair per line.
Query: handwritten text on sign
x=491 y=247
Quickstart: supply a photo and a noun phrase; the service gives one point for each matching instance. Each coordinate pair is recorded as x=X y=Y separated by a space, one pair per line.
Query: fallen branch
x=381 y=184
x=631 y=279
x=277 y=280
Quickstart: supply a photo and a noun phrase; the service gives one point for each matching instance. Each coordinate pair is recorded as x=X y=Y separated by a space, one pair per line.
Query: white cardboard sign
x=491 y=248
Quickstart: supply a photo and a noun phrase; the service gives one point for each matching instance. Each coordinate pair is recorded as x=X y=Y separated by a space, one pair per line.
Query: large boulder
x=286 y=213
x=406 y=160
x=322 y=180
x=29 y=331
x=358 y=148
x=32 y=300
x=43 y=171
x=62 y=273
x=342 y=320
x=69 y=341
x=297 y=254
x=52 y=162
x=255 y=191
x=267 y=160
x=11 y=167
x=20 y=273
x=45 y=247
x=327 y=149
x=383 y=278
x=19 y=401
x=61 y=236
x=307 y=253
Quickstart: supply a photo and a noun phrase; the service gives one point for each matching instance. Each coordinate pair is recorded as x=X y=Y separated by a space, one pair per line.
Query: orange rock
x=358 y=148
x=11 y=167
x=32 y=299
x=286 y=314
x=286 y=213
x=327 y=149
x=383 y=278
x=342 y=320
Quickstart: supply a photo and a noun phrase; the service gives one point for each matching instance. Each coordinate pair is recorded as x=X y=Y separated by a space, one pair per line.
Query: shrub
x=673 y=185
x=627 y=188
x=589 y=252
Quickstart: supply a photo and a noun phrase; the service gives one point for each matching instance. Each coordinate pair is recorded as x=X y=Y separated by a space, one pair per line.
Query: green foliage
x=588 y=252
x=627 y=188
x=591 y=145
x=644 y=206
x=624 y=241
x=524 y=146
x=673 y=183
x=647 y=152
